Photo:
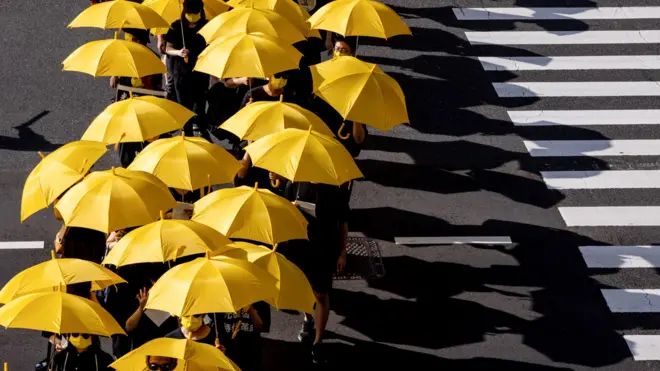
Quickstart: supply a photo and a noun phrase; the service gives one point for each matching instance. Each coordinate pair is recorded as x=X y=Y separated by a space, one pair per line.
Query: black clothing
x=258 y=94
x=189 y=198
x=333 y=119
x=70 y=360
x=245 y=348
x=129 y=150
x=83 y=243
x=194 y=42
x=177 y=334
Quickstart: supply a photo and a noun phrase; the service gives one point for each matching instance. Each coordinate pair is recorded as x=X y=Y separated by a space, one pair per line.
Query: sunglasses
x=162 y=367
x=84 y=336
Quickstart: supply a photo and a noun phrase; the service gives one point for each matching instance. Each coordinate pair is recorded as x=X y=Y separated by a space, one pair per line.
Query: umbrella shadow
x=28 y=139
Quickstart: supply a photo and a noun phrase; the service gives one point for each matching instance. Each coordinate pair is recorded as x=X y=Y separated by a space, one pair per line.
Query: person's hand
x=113 y=81
x=162 y=45
x=219 y=346
x=188 y=213
x=249 y=101
x=142 y=297
x=341 y=262
x=244 y=169
x=241 y=81
x=272 y=176
x=183 y=52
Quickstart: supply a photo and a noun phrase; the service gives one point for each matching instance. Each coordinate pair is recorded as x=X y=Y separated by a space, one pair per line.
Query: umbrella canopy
x=119 y=14
x=286 y=8
x=360 y=92
x=192 y=356
x=227 y=56
x=251 y=20
x=114 y=57
x=259 y=119
x=137 y=119
x=57 y=172
x=187 y=162
x=115 y=199
x=251 y=213
x=359 y=18
x=294 y=291
x=166 y=240
x=210 y=285
x=59 y=313
x=55 y=273
x=311 y=157
x=170 y=10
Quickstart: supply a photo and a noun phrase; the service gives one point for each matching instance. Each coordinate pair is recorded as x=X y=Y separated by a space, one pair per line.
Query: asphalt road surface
x=539 y=125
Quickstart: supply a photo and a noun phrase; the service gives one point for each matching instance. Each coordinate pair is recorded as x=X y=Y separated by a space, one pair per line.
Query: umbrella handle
x=343 y=137
x=120 y=138
x=275 y=183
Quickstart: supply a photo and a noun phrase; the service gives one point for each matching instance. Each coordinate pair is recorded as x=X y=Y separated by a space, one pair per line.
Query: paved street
x=538 y=125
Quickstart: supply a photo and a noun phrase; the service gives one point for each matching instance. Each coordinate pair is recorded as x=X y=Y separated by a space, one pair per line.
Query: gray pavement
x=459 y=169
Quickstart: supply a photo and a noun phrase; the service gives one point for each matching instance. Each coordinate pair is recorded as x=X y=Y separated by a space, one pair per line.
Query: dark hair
x=351 y=41
x=192 y=7
x=84 y=243
x=141 y=35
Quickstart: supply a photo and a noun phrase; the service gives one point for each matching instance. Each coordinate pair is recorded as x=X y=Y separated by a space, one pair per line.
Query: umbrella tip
x=42 y=157
x=162 y=215
x=256 y=185
x=281 y=97
x=113 y=170
x=6 y=366
x=52 y=254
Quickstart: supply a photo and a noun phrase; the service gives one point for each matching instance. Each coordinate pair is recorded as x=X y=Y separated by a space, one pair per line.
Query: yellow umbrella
x=114 y=57
x=55 y=273
x=286 y=8
x=187 y=162
x=196 y=356
x=251 y=20
x=137 y=119
x=293 y=289
x=226 y=57
x=310 y=157
x=251 y=213
x=59 y=313
x=115 y=199
x=119 y=14
x=166 y=240
x=359 y=18
x=360 y=92
x=210 y=285
x=259 y=119
x=170 y=10
x=56 y=173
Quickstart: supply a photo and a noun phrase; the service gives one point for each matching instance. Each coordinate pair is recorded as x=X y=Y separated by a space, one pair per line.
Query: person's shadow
x=27 y=139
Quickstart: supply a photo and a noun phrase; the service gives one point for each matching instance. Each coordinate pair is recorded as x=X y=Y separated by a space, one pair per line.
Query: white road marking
x=458 y=240
x=603 y=216
x=608 y=62
x=644 y=347
x=617 y=147
x=563 y=37
x=519 y=13
x=585 y=118
x=621 y=256
x=21 y=245
x=577 y=89
x=606 y=179
x=632 y=300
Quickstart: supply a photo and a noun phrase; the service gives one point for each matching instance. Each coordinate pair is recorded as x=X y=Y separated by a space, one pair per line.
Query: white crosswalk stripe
x=569 y=154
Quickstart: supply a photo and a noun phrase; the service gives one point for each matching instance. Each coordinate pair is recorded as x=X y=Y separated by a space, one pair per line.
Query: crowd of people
x=213 y=101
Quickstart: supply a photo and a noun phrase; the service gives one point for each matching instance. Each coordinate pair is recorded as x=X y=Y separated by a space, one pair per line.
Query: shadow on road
x=27 y=139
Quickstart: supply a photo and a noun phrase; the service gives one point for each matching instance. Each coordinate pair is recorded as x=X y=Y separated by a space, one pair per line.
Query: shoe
x=307 y=332
x=318 y=354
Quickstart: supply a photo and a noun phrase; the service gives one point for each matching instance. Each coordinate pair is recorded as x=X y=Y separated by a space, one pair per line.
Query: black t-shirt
x=208 y=339
x=333 y=119
x=195 y=43
x=227 y=323
x=258 y=94
x=70 y=360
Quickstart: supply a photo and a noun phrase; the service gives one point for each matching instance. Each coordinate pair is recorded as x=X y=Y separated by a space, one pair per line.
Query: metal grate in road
x=364 y=260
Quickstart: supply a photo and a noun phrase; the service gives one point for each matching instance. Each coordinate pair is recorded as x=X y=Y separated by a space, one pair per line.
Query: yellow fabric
x=359 y=18
x=210 y=285
x=259 y=119
x=251 y=20
x=56 y=173
x=304 y=156
x=193 y=18
x=166 y=240
x=192 y=356
x=187 y=162
x=114 y=57
x=360 y=92
x=191 y=323
x=277 y=82
x=119 y=14
x=294 y=291
x=51 y=274
x=115 y=199
x=137 y=119
x=248 y=55
x=79 y=342
x=170 y=10
x=59 y=313
x=251 y=213
x=286 y=8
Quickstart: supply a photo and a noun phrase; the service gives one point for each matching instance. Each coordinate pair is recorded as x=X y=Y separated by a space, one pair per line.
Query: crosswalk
x=529 y=67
